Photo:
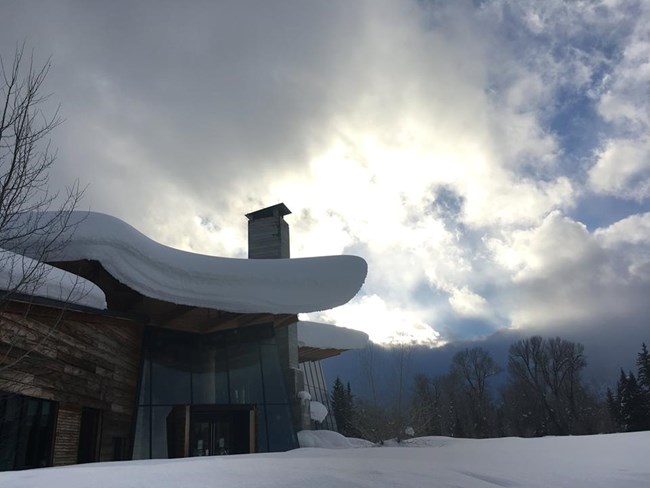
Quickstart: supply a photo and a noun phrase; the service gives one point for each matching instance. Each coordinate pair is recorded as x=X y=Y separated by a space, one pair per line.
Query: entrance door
x=222 y=430
x=89 y=435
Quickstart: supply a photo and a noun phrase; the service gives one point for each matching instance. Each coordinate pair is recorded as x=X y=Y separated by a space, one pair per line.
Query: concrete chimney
x=268 y=233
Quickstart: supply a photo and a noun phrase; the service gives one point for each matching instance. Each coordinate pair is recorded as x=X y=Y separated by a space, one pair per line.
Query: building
x=165 y=353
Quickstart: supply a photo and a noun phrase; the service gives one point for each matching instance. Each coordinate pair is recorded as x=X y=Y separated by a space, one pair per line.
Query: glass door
x=218 y=431
x=211 y=437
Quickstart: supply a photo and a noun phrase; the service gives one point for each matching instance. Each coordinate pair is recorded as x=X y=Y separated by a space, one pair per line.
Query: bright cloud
x=384 y=324
x=623 y=169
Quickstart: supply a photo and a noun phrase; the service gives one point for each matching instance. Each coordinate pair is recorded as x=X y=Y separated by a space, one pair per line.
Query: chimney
x=268 y=233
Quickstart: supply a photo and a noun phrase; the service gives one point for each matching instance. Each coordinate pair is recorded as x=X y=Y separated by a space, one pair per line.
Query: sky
x=490 y=160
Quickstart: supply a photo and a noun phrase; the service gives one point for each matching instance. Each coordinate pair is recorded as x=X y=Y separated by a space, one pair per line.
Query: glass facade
x=234 y=374
x=317 y=387
x=26 y=431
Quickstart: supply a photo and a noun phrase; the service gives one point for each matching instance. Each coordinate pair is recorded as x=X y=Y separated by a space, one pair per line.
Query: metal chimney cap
x=279 y=209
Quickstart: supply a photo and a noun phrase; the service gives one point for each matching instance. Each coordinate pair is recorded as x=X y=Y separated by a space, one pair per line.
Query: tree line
x=629 y=407
x=543 y=393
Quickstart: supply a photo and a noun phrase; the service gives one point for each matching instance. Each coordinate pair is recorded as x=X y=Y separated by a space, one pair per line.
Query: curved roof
x=233 y=285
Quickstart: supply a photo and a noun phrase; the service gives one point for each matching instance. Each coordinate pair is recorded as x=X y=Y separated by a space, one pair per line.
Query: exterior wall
x=287 y=340
x=237 y=370
x=66 y=436
x=78 y=360
x=268 y=238
x=316 y=385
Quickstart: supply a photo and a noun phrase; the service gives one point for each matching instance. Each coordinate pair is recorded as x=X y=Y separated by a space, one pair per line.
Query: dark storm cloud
x=208 y=93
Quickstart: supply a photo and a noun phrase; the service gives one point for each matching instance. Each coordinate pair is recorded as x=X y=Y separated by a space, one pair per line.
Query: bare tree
x=431 y=404
x=389 y=418
x=472 y=368
x=545 y=378
x=26 y=159
x=34 y=221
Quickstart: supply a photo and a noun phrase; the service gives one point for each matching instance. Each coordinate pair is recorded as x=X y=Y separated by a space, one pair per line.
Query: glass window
x=184 y=369
x=144 y=397
x=170 y=368
x=260 y=426
x=274 y=384
x=319 y=376
x=245 y=374
x=26 y=431
x=160 y=435
x=141 y=448
x=169 y=385
x=9 y=422
x=210 y=376
x=281 y=435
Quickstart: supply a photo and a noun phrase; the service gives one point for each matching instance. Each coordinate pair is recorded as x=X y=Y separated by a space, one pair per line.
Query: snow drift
x=614 y=460
x=328 y=439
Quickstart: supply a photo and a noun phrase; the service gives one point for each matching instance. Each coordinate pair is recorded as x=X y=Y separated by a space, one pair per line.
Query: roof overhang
x=170 y=278
x=317 y=340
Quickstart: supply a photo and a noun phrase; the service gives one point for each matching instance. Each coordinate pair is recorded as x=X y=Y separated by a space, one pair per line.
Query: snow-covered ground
x=612 y=461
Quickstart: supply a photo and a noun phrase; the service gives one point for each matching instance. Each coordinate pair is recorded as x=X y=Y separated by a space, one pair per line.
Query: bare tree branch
x=34 y=220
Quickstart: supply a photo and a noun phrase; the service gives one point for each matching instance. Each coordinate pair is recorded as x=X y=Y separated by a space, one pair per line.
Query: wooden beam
x=315 y=354
x=285 y=319
x=174 y=314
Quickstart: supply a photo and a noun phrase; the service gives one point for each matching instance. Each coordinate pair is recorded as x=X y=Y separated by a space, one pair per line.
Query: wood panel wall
x=66 y=438
x=75 y=358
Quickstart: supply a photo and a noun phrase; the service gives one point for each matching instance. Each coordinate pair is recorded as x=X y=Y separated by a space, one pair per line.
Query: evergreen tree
x=643 y=363
x=630 y=408
x=613 y=407
x=349 y=398
x=342 y=408
x=633 y=404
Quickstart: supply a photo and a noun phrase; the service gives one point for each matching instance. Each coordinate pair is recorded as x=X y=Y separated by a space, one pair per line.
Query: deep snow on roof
x=328 y=336
x=229 y=284
x=20 y=274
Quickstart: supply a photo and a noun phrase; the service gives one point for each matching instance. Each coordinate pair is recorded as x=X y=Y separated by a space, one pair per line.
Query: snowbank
x=614 y=460
x=21 y=274
x=234 y=285
x=328 y=336
x=328 y=439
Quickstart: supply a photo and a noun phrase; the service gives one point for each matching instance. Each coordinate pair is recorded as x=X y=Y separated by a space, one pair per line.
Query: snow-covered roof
x=20 y=274
x=327 y=336
x=233 y=285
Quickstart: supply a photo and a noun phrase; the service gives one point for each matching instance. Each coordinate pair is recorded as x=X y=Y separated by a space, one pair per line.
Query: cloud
x=468 y=304
x=449 y=144
x=384 y=324
x=565 y=274
x=623 y=169
x=622 y=166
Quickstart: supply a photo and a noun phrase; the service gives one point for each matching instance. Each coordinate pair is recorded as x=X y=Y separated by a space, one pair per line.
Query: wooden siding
x=75 y=358
x=66 y=437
